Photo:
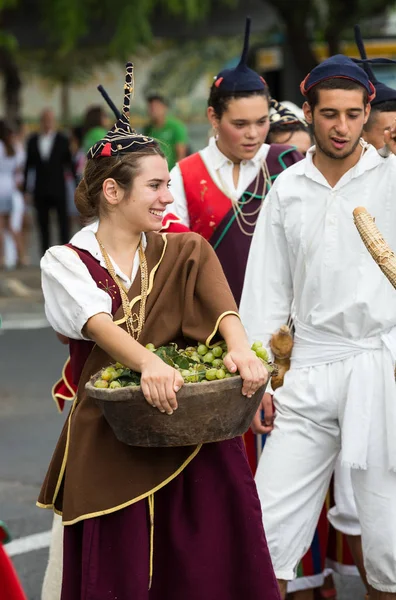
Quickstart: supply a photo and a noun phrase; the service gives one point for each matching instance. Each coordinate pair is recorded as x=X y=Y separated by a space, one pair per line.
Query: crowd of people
x=39 y=173
x=257 y=223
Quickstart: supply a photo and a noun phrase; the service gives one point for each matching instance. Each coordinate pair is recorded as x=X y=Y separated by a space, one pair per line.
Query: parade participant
x=339 y=393
x=207 y=514
x=383 y=107
x=287 y=128
x=219 y=191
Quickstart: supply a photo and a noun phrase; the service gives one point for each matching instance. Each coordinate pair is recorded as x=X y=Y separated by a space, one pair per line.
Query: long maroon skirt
x=209 y=541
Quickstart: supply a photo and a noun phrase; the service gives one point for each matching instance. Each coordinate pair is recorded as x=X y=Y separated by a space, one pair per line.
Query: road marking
x=30 y=543
x=23 y=321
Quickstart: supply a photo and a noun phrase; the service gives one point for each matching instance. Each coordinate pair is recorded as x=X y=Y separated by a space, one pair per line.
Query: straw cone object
x=375 y=243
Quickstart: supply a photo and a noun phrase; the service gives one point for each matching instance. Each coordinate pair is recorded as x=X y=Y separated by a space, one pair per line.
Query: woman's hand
x=159 y=383
x=251 y=369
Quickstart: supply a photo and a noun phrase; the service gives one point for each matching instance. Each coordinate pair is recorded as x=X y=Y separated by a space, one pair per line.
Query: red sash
x=207 y=204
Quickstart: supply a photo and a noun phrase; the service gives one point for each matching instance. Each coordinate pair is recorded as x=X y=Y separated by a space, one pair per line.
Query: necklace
x=134 y=322
x=239 y=205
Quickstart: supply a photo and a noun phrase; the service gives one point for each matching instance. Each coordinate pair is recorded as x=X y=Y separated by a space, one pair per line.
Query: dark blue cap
x=241 y=79
x=339 y=66
x=383 y=92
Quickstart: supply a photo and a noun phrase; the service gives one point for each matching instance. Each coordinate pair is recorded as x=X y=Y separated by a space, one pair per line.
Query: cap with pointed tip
x=383 y=92
x=241 y=78
x=121 y=138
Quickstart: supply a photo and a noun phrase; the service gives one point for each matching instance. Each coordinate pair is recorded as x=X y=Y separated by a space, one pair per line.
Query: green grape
x=115 y=384
x=262 y=353
x=185 y=373
x=257 y=345
x=131 y=384
x=208 y=358
x=228 y=375
x=150 y=347
x=202 y=349
x=217 y=363
x=200 y=367
x=220 y=374
x=211 y=374
x=217 y=351
x=118 y=365
x=101 y=383
x=193 y=379
x=109 y=374
x=195 y=357
x=190 y=350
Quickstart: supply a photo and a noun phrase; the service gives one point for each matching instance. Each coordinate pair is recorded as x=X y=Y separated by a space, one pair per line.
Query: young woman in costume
x=207 y=515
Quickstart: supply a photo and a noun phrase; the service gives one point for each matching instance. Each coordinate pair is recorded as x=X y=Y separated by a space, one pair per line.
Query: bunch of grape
x=195 y=364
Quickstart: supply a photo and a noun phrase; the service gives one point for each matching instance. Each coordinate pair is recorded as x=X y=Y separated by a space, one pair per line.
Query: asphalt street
x=29 y=428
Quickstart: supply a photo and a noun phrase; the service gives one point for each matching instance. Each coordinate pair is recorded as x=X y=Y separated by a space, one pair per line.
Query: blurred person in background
x=169 y=131
x=383 y=107
x=11 y=159
x=48 y=160
x=381 y=118
x=287 y=128
x=94 y=127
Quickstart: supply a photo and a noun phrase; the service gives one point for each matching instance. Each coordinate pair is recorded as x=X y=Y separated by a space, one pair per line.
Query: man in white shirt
x=339 y=394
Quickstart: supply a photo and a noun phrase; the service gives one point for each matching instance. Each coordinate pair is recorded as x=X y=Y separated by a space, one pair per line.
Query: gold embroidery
x=110 y=289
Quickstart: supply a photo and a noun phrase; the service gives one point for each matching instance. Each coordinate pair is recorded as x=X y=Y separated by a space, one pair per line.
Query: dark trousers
x=43 y=206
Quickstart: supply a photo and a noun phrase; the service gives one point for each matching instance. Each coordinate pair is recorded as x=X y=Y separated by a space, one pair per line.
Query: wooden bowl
x=210 y=411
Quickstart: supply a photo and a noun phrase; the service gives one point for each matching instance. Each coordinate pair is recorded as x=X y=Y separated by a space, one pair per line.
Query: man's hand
x=264 y=426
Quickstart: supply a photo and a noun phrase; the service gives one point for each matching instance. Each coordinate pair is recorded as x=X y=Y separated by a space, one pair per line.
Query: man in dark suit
x=47 y=160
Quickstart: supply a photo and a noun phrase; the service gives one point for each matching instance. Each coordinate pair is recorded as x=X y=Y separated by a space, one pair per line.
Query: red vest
x=66 y=387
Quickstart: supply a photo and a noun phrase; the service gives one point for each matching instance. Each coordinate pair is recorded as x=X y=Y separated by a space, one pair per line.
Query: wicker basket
x=210 y=411
x=375 y=243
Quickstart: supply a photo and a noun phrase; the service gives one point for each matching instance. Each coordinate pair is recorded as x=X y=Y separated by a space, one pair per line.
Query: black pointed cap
x=241 y=78
x=281 y=115
x=121 y=138
x=383 y=92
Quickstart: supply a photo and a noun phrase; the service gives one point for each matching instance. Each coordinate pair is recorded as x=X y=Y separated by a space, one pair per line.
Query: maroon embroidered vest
x=81 y=349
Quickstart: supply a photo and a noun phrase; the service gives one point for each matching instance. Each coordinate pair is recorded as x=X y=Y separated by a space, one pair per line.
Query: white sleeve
x=71 y=295
x=268 y=288
x=179 y=206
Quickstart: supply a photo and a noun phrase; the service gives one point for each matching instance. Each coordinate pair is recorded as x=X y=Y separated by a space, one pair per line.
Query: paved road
x=29 y=428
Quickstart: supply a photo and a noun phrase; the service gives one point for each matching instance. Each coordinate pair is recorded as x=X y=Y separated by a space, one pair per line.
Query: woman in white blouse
x=10 y=163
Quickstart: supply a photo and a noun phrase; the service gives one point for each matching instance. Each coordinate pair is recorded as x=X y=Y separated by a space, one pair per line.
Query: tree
x=69 y=24
x=329 y=20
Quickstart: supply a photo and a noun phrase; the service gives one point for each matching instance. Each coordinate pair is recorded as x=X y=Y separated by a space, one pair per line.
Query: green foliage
x=8 y=41
x=194 y=58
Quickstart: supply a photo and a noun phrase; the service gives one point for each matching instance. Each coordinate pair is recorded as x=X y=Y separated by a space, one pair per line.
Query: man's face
x=47 y=121
x=157 y=110
x=338 y=120
x=379 y=122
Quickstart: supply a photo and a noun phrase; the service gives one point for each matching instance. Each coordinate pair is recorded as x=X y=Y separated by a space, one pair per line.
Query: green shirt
x=92 y=136
x=172 y=132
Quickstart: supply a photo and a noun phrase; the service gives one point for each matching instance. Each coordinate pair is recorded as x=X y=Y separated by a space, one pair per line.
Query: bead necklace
x=238 y=205
x=134 y=322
